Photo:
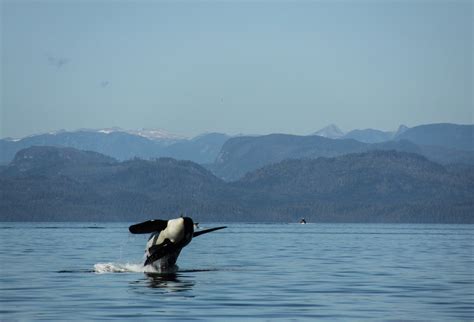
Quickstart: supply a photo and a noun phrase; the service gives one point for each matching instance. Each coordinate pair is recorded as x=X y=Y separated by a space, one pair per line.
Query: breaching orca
x=168 y=237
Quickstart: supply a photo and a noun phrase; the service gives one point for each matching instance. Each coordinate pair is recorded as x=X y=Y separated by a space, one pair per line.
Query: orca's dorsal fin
x=205 y=231
x=149 y=226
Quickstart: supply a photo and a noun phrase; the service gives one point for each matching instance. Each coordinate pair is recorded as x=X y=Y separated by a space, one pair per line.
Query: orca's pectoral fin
x=205 y=231
x=149 y=226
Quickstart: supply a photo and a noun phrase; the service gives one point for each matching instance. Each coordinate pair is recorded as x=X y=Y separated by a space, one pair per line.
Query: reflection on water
x=170 y=282
x=167 y=282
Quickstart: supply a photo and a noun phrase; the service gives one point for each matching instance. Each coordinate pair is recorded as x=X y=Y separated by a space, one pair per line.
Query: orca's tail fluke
x=205 y=231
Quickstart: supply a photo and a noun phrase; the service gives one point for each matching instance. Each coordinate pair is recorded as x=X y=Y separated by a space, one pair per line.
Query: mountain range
x=123 y=145
x=419 y=174
x=366 y=135
x=241 y=155
x=66 y=184
x=442 y=143
x=445 y=143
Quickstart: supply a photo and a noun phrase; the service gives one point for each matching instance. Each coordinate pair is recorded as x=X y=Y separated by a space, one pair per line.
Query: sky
x=252 y=67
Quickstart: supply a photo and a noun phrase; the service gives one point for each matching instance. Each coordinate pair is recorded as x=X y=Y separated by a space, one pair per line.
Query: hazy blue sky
x=234 y=66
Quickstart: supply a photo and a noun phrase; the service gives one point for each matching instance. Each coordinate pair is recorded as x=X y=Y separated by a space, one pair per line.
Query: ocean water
x=93 y=271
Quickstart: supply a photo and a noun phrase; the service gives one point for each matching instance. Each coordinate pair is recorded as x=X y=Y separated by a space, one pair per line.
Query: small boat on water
x=302 y=221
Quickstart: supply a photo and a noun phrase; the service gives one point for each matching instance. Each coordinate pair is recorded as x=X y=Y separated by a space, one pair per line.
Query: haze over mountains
x=420 y=174
x=366 y=135
x=443 y=143
x=123 y=145
x=151 y=143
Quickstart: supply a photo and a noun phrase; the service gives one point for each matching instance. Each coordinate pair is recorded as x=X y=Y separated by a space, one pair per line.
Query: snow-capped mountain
x=151 y=134
x=122 y=144
x=330 y=131
x=157 y=134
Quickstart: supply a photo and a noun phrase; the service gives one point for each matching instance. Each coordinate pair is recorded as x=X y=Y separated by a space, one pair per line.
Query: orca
x=167 y=239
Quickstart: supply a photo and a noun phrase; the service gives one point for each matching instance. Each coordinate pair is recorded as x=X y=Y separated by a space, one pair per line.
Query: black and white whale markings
x=168 y=238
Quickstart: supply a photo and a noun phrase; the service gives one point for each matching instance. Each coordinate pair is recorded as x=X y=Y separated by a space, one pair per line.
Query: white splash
x=102 y=268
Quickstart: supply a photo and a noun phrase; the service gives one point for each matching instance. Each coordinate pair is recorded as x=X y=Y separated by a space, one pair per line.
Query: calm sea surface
x=92 y=271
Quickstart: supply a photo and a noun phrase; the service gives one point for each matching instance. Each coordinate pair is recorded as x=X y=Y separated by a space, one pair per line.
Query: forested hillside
x=64 y=184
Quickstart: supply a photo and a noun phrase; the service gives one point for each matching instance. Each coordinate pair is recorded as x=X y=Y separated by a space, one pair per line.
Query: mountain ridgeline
x=122 y=145
x=65 y=184
x=243 y=154
x=231 y=158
